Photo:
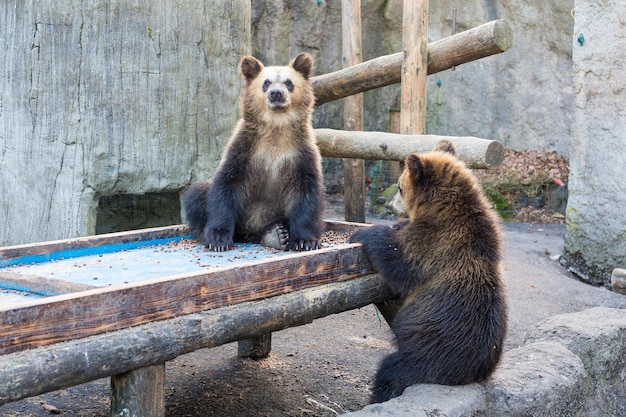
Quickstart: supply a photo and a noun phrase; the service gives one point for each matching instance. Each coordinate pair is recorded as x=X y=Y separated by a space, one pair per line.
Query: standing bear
x=445 y=262
x=268 y=187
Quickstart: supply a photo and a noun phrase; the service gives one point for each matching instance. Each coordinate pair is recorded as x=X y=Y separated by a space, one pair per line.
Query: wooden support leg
x=389 y=308
x=257 y=348
x=139 y=392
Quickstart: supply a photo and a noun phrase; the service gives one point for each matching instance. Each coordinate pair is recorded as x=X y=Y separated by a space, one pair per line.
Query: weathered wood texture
x=44 y=249
x=32 y=372
x=414 y=67
x=140 y=392
x=256 y=348
x=71 y=316
x=103 y=98
x=40 y=285
x=488 y=39
x=353 y=169
x=475 y=152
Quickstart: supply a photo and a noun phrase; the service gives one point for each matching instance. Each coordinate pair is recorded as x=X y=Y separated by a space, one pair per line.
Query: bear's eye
x=400 y=190
x=266 y=85
x=289 y=85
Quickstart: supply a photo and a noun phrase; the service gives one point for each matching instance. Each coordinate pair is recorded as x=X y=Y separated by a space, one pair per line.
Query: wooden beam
x=475 y=152
x=488 y=39
x=36 y=371
x=353 y=169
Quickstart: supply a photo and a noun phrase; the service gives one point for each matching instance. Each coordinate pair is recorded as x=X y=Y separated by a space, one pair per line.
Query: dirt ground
x=325 y=368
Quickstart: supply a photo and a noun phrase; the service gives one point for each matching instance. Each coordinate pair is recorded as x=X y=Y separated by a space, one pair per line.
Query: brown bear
x=268 y=187
x=445 y=262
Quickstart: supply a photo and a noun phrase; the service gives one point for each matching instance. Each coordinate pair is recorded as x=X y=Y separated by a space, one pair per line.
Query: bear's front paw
x=277 y=237
x=400 y=225
x=218 y=239
x=304 y=244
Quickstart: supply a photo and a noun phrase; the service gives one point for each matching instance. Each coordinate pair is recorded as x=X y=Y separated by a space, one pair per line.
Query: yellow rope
x=571 y=12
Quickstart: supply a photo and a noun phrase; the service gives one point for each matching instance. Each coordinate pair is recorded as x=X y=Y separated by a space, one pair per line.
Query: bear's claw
x=277 y=237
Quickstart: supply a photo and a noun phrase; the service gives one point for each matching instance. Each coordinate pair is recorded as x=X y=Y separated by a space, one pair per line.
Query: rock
x=570 y=365
x=618 y=280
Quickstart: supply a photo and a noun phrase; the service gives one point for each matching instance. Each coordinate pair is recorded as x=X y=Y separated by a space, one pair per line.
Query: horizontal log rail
x=475 y=152
x=485 y=40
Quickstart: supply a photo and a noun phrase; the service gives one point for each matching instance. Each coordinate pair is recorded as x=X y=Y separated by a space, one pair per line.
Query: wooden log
x=475 y=152
x=353 y=169
x=36 y=371
x=140 y=392
x=485 y=40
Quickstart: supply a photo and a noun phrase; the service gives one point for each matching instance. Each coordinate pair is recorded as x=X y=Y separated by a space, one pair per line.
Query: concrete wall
x=110 y=97
x=595 y=242
x=570 y=365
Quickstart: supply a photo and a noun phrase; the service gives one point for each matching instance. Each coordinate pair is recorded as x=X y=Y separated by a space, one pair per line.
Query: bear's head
x=429 y=180
x=274 y=92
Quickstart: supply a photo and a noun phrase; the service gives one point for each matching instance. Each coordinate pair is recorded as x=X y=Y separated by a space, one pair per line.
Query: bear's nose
x=276 y=96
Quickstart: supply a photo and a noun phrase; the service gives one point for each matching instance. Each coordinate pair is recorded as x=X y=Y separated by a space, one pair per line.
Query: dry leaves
x=527 y=173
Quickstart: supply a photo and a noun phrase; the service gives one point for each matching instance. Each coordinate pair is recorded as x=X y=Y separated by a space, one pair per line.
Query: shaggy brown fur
x=445 y=261
x=270 y=178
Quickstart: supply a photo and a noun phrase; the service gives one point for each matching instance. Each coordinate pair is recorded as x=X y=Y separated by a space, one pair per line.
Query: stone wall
x=99 y=98
x=595 y=241
x=570 y=365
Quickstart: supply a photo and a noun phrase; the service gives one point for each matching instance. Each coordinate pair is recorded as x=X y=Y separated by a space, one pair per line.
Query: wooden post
x=414 y=67
x=256 y=348
x=139 y=392
x=413 y=89
x=353 y=169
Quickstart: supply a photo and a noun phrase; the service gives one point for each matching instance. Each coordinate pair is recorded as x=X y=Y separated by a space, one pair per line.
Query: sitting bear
x=445 y=262
x=268 y=187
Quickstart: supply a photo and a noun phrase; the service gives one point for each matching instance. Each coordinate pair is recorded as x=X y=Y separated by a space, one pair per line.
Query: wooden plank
x=353 y=169
x=66 y=248
x=485 y=40
x=475 y=152
x=39 y=285
x=73 y=247
x=72 y=316
x=36 y=371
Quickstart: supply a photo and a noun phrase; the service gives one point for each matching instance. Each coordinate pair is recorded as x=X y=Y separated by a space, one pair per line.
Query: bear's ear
x=445 y=146
x=303 y=63
x=415 y=165
x=250 y=67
